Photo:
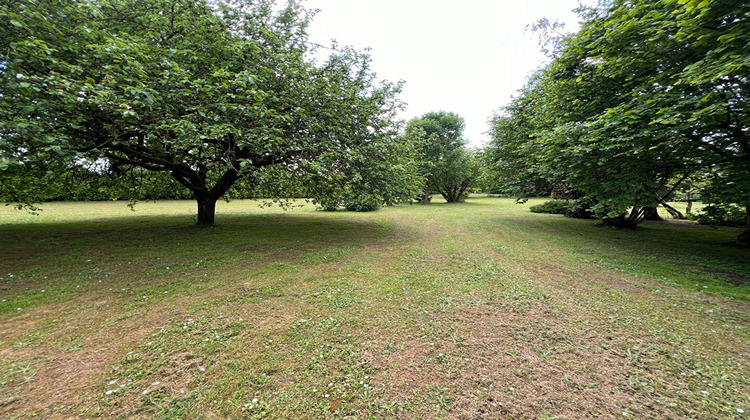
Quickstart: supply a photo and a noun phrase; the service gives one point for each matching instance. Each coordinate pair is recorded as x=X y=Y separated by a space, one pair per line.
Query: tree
x=456 y=175
x=645 y=96
x=208 y=92
x=443 y=157
x=509 y=159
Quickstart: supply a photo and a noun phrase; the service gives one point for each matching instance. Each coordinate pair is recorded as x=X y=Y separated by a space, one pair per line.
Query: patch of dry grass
x=475 y=310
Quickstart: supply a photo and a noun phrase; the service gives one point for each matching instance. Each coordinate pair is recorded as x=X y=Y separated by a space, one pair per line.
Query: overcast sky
x=462 y=56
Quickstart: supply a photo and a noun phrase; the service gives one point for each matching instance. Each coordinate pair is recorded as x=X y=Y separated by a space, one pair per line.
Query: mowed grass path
x=472 y=310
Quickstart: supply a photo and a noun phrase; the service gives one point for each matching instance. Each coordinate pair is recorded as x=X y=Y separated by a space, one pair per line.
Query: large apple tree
x=210 y=92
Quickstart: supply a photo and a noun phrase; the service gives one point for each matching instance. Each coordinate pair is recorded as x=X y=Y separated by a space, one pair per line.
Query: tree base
x=744 y=238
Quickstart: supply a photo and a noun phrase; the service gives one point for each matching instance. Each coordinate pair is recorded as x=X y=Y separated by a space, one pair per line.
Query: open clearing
x=466 y=311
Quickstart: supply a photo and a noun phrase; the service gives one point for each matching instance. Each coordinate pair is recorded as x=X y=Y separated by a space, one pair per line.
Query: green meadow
x=474 y=310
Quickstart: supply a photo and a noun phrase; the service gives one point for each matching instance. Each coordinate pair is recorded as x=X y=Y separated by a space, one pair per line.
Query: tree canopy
x=644 y=97
x=207 y=92
x=445 y=165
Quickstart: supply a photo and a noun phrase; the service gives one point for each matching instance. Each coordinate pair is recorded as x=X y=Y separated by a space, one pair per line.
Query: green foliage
x=647 y=94
x=722 y=215
x=509 y=159
x=552 y=207
x=456 y=175
x=206 y=92
x=362 y=206
x=446 y=166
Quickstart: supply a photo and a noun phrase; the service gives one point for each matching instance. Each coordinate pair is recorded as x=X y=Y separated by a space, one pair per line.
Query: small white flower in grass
x=113 y=382
x=741 y=411
x=18 y=309
x=326 y=396
x=202 y=369
x=330 y=384
x=704 y=392
x=156 y=383
x=255 y=400
x=440 y=354
x=315 y=390
x=144 y=392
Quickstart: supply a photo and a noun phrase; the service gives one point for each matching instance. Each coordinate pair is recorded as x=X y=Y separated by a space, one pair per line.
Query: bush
x=362 y=206
x=722 y=215
x=579 y=213
x=328 y=204
x=552 y=207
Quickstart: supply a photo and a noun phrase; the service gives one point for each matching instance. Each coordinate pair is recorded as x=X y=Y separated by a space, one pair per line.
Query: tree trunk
x=672 y=211
x=744 y=237
x=651 y=213
x=206 y=210
x=689 y=207
x=426 y=199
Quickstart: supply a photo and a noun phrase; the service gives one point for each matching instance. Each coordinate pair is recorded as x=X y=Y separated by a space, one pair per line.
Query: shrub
x=722 y=215
x=552 y=207
x=328 y=204
x=579 y=213
x=362 y=205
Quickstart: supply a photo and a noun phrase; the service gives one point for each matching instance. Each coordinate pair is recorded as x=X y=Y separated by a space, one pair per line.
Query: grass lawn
x=468 y=311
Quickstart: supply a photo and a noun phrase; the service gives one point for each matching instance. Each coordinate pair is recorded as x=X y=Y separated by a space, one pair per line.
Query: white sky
x=462 y=56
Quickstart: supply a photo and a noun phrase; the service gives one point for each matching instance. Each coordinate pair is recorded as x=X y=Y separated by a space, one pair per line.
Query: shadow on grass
x=170 y=238
x=668 y=249
x=54 y=262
